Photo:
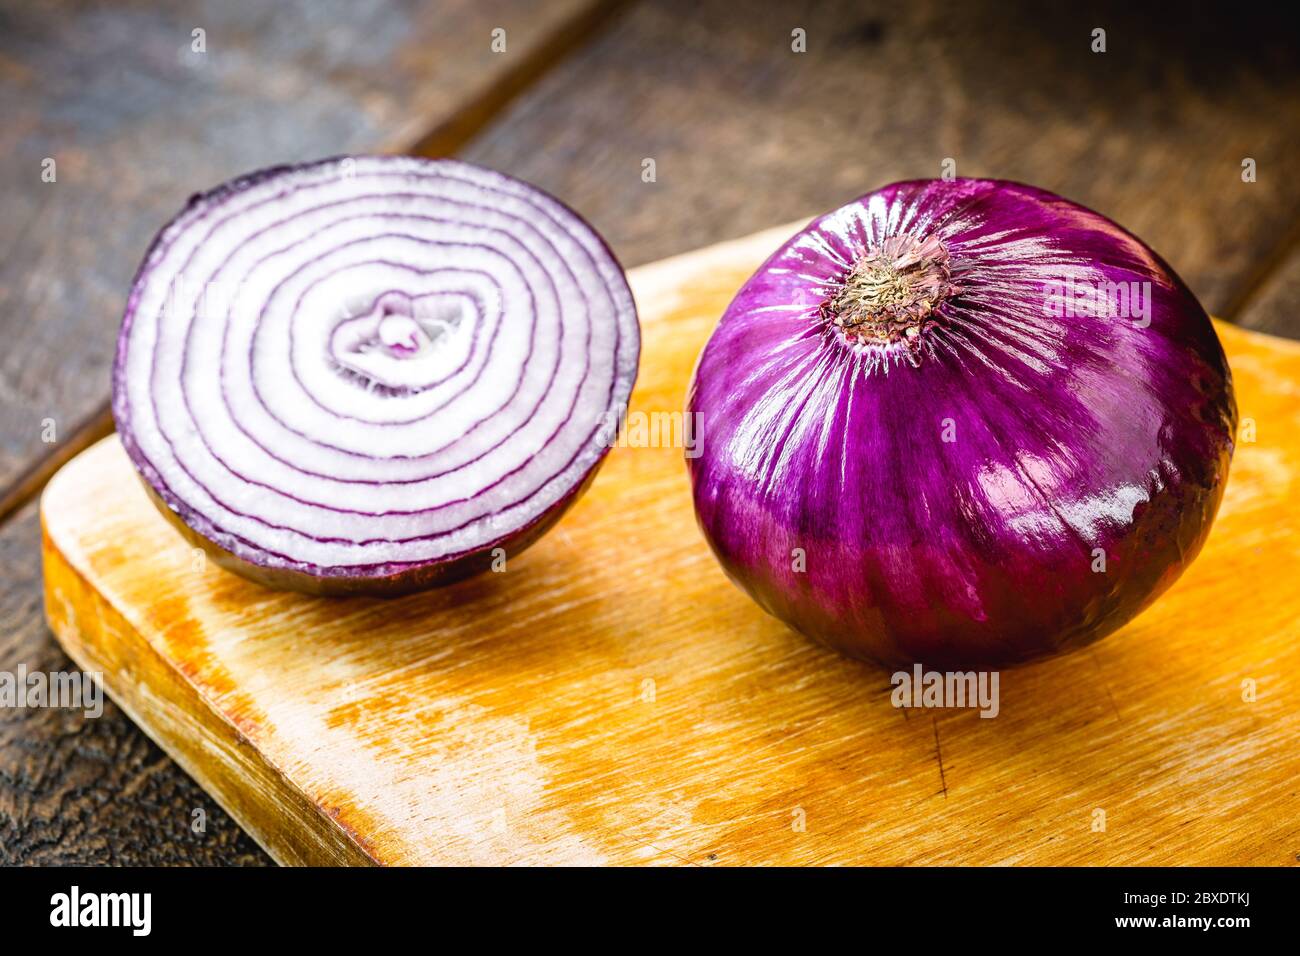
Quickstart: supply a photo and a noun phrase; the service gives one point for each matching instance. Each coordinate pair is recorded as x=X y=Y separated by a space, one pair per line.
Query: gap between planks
x=28 y=484
x=454 y=133
x=1254 y=283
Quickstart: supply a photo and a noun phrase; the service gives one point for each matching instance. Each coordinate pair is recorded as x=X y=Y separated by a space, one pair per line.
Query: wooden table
x=744 y=133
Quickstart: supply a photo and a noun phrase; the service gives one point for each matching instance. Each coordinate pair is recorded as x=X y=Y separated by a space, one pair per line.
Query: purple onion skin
x=392 y=582
x=1069 y=435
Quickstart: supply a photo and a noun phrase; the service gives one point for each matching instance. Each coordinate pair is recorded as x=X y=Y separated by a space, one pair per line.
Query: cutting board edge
x=90 y=648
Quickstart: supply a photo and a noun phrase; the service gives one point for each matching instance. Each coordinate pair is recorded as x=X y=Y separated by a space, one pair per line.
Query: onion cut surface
x=960 y=423
x=369 y=374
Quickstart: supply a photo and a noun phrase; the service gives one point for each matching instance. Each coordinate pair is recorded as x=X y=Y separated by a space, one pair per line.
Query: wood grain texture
x=611 y=698
x=746 y=133
x=77 y=791
x=1274 y=305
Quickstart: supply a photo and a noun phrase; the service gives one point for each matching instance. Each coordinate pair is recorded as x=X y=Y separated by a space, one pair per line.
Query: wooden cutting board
x=612 y=698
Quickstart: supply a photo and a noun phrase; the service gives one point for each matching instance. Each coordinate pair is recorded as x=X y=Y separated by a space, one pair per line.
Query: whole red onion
x=960 y=423
x=372 y=374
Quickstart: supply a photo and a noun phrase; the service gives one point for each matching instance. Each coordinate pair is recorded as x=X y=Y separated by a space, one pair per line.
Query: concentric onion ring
x=369 y=374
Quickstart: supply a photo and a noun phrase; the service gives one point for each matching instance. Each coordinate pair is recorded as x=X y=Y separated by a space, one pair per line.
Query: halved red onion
x=372 y=374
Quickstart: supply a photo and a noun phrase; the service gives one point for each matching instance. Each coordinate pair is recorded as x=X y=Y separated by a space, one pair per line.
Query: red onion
x=960 y=423
x=372 y=374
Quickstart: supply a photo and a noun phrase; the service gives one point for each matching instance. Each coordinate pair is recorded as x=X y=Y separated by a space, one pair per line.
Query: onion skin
x=395 y=583
x=948 y=493
x=451 y=255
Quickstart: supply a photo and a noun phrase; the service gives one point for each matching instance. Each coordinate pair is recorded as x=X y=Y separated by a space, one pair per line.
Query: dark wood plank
x=88 y=790
x=135 y=121
x=746 y=133
x=1274 y=304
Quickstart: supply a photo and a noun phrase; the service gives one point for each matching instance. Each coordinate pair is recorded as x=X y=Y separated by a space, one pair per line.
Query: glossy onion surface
x=961 y=423
x=372 y=374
